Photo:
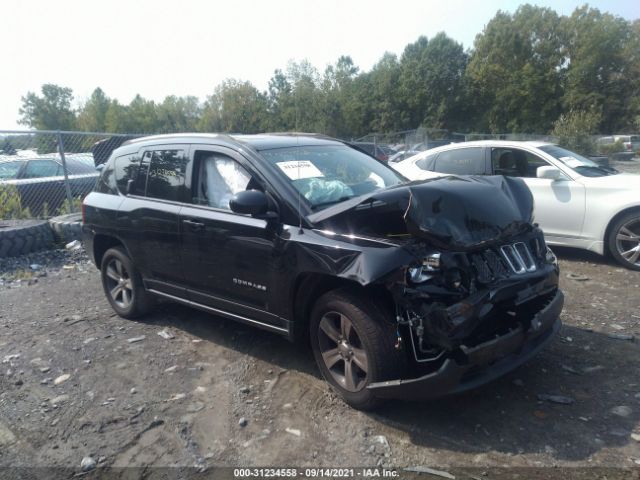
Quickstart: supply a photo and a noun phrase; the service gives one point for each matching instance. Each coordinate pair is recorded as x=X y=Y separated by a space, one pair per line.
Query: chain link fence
x=48 y=173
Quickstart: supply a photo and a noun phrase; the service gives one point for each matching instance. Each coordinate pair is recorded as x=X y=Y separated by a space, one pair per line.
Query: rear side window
x=107 y=181
x=461 y=161
x=42 y=168
x=126 y=168
x=167 y=169
x=427 y=163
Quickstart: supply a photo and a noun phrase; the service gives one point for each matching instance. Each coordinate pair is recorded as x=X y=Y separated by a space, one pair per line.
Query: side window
x=218 y=178
x=107 y=181
x=513 y=162
x=42 y=168
x=461 y=161
x=126 y=168
x=427 y=163
x=166 y=177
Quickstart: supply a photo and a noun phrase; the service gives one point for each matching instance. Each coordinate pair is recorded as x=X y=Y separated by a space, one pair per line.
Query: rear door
x=559 y=204
x=229 y=259
x=149 y=217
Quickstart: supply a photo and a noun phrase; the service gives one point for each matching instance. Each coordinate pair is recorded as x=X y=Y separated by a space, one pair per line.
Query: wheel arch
x=311 y=286
x=102 y=243
x=614 y=219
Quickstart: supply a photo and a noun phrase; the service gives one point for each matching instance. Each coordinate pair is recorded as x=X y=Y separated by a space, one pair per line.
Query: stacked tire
x=19 y=237
x=67 y=228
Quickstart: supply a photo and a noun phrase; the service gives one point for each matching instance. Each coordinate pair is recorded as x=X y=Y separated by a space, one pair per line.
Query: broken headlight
x=422 y=273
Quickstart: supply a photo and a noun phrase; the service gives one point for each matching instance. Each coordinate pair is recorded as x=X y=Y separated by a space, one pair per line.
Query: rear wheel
x=354 y=346
x=123 y=285
x=624 y=240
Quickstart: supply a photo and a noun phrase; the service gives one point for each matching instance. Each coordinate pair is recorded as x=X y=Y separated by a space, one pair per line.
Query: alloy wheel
x=119 y=283
x=628 y=241
x=342 y=351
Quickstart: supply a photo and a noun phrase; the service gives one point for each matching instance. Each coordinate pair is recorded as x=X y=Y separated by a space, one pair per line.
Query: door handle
x=193 y=225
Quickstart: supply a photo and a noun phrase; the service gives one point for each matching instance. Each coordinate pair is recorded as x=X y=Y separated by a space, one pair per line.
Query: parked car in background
x=577 y=202
x=376 y=150
x=630 y=143
x=312 y=239
x=40 y=183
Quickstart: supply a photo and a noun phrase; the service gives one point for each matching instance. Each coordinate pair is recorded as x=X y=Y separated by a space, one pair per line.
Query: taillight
x=84 y=207
x=628 y=146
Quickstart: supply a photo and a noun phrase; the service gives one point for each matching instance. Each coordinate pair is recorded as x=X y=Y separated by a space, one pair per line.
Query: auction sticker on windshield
x=299 y=169
x=571 y=162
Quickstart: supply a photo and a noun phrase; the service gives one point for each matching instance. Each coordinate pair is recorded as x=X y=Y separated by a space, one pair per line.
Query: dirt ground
x=78 y=381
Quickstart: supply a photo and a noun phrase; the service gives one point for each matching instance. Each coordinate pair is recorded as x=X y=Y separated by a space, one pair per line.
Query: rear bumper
x=483 y=363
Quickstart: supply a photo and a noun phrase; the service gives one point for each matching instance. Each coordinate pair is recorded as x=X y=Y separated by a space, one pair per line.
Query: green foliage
x=74 y=207
x=10 y=206
x=515 y=71
x=603 y=56
x=236 y=107
x=574 y=131
x=609 y=148
x=525 y=70
x=51 y=111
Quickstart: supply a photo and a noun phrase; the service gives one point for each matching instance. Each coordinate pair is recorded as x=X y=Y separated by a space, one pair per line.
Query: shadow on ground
x=598 y=372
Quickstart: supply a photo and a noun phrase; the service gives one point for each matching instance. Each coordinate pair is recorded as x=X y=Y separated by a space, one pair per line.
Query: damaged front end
x=481 y=295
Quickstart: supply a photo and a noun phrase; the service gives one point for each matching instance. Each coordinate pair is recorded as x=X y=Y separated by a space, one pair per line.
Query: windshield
x=9 y=170
x=326 y=175
x=583 y=166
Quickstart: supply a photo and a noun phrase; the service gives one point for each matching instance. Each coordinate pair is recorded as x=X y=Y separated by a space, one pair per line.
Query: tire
x=67 y=228
x=624 y=240
x=20 y=237
x=370 y=344
x=131 y=300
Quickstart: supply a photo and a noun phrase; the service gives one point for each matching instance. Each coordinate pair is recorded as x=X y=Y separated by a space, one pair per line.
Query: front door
x=559 y=204
x=228 y=257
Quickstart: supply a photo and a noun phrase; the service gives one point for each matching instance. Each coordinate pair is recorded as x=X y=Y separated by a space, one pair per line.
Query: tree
x=515 y=71
x=574 y=131
x=603 y=67
x=142 y=115
x=385 y=109
x=280 y=103
x=178 y=114
x=236 y=107
x=92 y=116
x=51 y=111
x=431 y=82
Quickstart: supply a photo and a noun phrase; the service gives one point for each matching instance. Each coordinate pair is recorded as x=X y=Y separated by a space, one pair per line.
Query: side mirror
x=249 y=202
x=550 y=173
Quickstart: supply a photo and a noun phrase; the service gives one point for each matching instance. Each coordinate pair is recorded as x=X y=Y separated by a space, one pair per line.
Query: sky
x=187 y=47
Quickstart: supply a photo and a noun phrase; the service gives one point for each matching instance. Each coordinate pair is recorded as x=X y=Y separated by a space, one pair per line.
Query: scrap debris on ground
x=82 y=388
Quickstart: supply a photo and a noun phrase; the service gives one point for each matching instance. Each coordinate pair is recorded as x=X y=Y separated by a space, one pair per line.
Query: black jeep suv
x=404 y=290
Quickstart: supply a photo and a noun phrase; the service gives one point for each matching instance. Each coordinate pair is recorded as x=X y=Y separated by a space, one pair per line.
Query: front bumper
x=483 y=363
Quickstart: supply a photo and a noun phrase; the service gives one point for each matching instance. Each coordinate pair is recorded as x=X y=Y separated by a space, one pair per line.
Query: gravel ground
x=77 y=381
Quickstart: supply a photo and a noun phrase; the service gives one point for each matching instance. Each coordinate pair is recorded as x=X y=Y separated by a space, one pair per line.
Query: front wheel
x=354 y=346
x=123 y=285
x=624 y=240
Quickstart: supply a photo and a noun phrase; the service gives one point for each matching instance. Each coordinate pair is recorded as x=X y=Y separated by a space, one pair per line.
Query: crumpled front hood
x=456 y=213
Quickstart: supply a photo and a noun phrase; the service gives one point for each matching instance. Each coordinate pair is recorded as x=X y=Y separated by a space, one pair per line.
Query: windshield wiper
x=605 y=170
x=324 y=204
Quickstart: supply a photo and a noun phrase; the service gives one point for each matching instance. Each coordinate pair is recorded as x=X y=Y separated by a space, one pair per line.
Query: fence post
x=66 y=175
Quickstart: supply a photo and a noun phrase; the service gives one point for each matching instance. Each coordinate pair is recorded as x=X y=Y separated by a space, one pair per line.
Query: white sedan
x=577 y=202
